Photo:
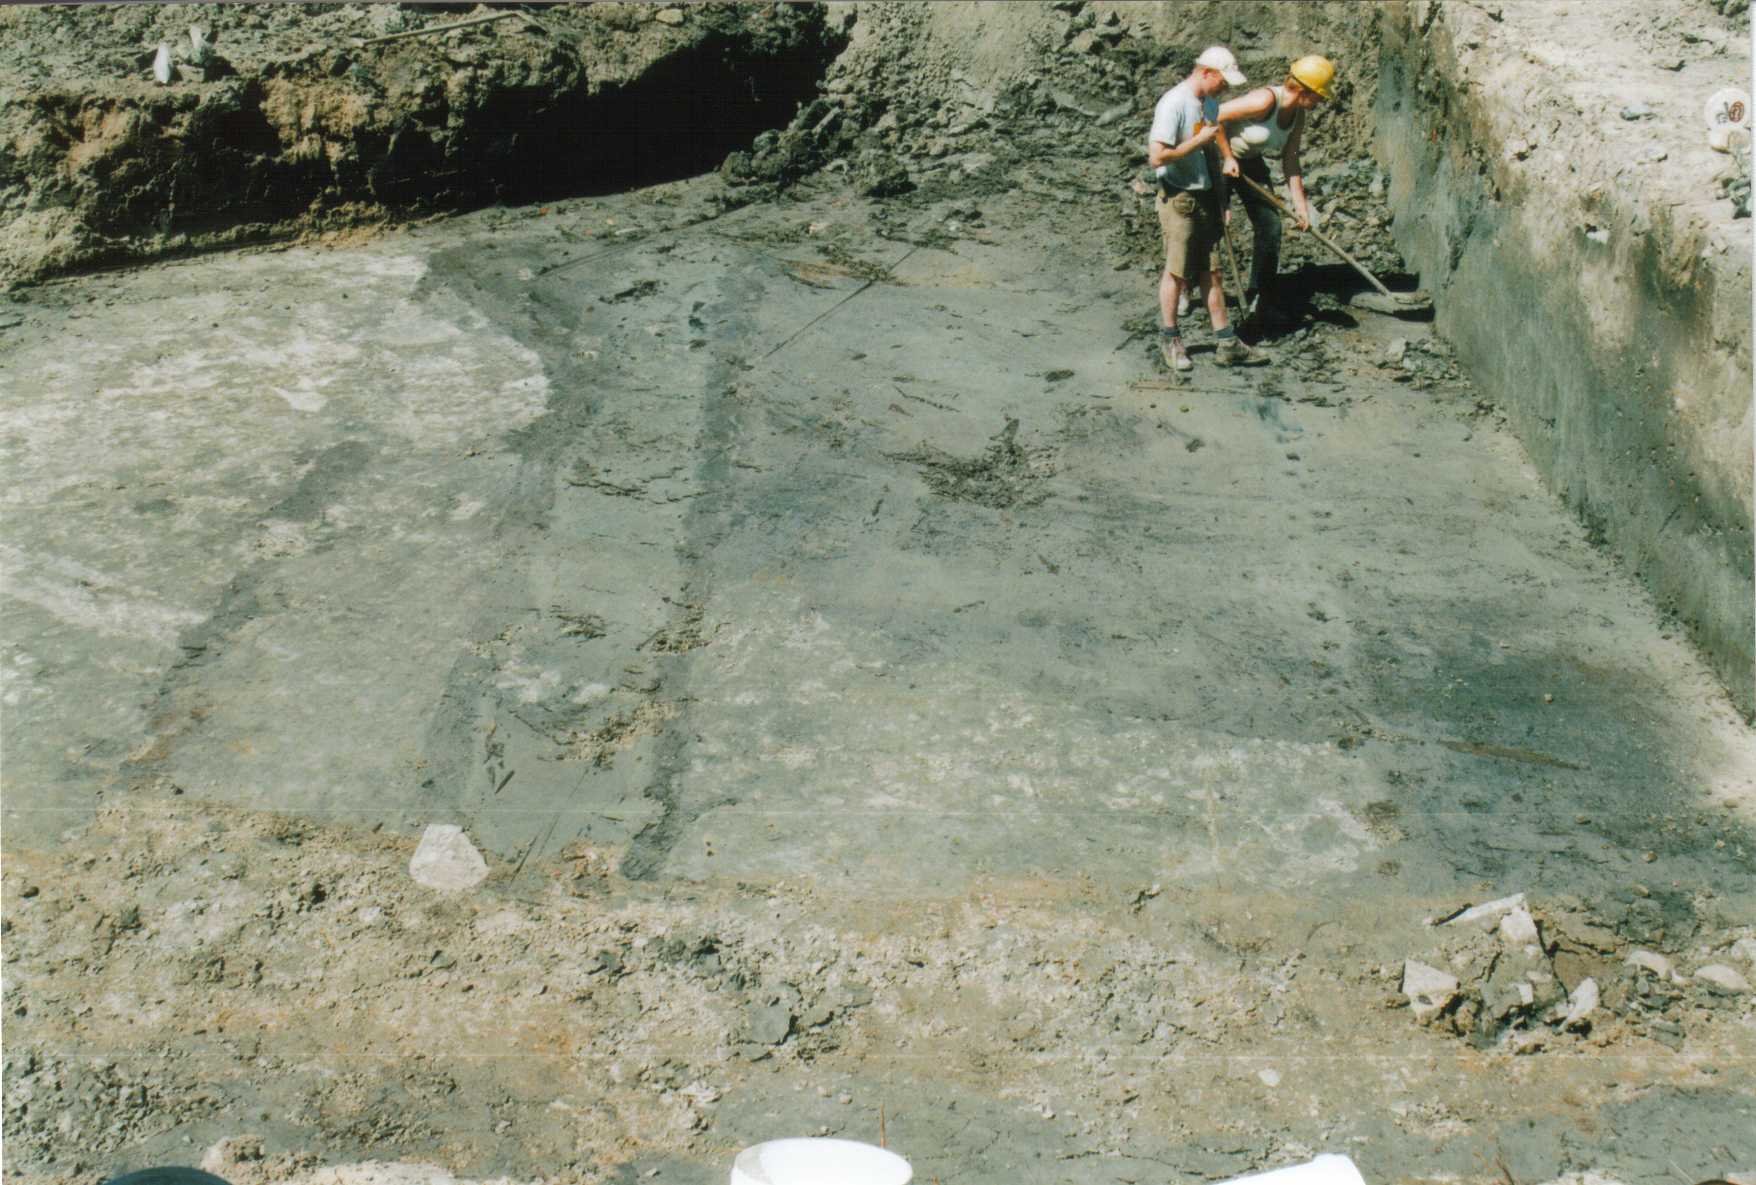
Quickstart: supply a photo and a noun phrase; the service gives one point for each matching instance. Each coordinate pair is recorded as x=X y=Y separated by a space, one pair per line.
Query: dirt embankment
x=294 y=126
x=1552 y=183
x=297 y=128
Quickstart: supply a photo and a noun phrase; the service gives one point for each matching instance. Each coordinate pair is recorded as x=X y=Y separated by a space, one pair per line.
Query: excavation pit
x=888 y=708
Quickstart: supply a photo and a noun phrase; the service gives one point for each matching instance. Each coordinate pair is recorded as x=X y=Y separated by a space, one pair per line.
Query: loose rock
x=1488 y=911
x=1519 y=928
x=1581 y=1004
x=769 y=1024
x=1724 y=978
x=1652 y=961
x=1429 y=990
x=447 y=860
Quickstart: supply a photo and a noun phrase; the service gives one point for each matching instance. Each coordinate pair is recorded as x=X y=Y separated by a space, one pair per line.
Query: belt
x=1171 y=191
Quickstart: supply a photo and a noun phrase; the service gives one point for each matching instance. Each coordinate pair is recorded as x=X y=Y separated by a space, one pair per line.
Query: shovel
x=1232 y=261
x=1381 y=301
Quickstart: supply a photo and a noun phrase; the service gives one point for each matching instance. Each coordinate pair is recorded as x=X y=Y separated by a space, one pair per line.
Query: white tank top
x=1276 y=142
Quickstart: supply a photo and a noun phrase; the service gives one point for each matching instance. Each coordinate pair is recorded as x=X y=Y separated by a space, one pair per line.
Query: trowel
x=1383 y=300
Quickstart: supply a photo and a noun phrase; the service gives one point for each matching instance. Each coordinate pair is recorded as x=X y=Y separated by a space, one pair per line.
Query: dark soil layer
x=298 y=127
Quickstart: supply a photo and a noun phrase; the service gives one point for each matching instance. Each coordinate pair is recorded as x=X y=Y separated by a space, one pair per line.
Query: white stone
x=446 y=859
x=1653 y=962
x=1722 y=976
x=1487 y=911
x=1269 y=1077
x=1745 y=949
x=1428 y=989
x=1581 y=1003
x=1518 y=928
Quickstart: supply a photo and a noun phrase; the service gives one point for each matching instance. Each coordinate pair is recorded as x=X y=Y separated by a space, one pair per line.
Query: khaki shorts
x=1192 y=227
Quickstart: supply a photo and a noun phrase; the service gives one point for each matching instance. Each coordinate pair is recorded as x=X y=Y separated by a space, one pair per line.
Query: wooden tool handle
x=1321 y=237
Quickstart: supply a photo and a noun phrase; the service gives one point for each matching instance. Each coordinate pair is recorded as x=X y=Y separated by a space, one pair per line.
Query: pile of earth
x=302 y=120
x=902 y=119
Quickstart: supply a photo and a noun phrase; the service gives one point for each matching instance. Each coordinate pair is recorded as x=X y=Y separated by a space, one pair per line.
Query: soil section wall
x=1589 y=279
x=305 y=125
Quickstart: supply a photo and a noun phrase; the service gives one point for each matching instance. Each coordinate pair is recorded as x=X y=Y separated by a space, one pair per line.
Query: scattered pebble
x=1519 y=928
x=1487 y=911
x=1725 y=978
x=1429 y=990
x=1581 y=1003
x=1651 y=961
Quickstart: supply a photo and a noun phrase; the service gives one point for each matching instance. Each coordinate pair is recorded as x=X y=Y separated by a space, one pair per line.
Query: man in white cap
x=1184 y=124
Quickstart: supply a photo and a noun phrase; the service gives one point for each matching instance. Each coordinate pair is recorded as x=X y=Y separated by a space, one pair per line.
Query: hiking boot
x=1232 y=352
x=1190 y=298
x=1175 y=356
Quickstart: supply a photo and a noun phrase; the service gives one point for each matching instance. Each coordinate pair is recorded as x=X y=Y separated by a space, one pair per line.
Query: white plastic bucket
x=1328 y=1169
x=819 y=1161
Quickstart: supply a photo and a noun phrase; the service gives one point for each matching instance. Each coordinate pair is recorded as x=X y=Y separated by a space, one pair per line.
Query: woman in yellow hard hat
x=1267 y=122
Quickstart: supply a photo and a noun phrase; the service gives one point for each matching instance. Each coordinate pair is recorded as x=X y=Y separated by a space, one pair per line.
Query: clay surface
x=887 y=702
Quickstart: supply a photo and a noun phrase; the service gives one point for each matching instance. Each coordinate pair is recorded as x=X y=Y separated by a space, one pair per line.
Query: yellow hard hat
x=1314 y=72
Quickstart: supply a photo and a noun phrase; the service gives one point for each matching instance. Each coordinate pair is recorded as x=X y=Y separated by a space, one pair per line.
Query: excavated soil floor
x=889 y=704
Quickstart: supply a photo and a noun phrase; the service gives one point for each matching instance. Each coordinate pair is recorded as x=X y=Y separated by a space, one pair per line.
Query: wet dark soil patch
x=1004 y=476
x=1539 y=774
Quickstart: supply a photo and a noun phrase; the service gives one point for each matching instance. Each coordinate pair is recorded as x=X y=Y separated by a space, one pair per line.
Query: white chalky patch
x=84 y=597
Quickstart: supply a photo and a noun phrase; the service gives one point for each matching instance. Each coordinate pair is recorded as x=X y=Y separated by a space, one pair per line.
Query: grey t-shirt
x=1173 y=121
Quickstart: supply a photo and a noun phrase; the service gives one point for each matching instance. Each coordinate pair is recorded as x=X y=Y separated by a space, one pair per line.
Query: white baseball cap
x=1218 y=57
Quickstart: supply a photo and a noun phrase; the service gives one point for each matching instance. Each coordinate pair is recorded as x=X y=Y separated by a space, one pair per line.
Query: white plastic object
x=1729 y=107
x=1727 y=138
x=1329 y=1169
x=819 y=1161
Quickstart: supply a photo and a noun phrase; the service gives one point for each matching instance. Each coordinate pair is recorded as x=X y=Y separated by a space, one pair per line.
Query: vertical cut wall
x=1606 y=307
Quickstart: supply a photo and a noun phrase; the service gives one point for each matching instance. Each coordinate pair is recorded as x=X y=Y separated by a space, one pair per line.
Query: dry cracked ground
x=887 y=703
